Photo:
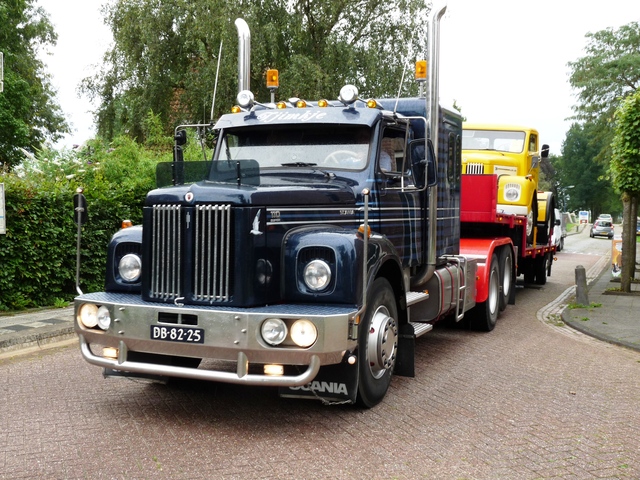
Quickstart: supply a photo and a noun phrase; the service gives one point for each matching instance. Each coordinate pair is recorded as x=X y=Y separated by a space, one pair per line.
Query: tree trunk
x=628 y=261
x=632 y=233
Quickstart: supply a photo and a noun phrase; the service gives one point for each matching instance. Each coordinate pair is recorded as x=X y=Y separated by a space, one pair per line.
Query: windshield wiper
x=298 y=164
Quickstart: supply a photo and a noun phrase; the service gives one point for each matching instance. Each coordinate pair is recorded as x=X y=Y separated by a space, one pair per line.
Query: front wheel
x=377 y=344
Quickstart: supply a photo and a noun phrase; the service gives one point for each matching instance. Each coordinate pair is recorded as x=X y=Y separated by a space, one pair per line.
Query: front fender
x=342 y=249
x=124 y=241
x=527 y=189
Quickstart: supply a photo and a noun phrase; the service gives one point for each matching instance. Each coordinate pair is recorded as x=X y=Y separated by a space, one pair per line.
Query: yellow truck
x=513 y=153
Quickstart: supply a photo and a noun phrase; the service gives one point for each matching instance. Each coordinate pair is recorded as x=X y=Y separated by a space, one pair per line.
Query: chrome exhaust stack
x=433 y=111
x=244 y=54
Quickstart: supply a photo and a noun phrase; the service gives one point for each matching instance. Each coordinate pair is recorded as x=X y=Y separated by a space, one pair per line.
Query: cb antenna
x=404 y=71
x=215 y=87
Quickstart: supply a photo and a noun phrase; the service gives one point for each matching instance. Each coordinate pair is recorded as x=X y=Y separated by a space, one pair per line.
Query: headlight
x=303 y=333
x=317 y=274
x=512 y=192
x=88 y=315
x=104 y=318
x=274 y=331
x=130 y=267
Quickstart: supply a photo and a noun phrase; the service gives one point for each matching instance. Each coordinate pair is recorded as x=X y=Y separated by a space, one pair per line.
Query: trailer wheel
x=506 y=278
x=485 y=314
x=541 y=268
x=377 y=344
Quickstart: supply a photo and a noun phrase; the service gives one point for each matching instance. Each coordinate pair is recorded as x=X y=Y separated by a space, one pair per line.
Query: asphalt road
x=530 y=400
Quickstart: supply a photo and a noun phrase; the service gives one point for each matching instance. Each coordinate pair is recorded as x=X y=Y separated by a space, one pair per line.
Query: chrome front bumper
x=230 y=334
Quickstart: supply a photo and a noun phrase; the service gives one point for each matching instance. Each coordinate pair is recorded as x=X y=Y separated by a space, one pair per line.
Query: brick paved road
x=525 y=401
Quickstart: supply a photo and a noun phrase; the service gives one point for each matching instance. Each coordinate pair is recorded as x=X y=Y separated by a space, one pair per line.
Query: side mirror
x=544 y=153
x=180 y=137
x=423 y=160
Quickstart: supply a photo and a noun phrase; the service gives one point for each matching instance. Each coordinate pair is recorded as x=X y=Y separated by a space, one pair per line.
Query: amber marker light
x=371 y=103
x=127 y=223
x=301 y=104
x=421 y=70
x=323 y=103
x=272 y=78
x=236 y=109
x=281 y=105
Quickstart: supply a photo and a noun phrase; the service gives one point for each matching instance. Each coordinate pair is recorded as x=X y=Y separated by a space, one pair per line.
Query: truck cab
x=513 y=154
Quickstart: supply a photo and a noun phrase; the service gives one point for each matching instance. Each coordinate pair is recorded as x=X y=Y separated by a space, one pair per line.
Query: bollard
x=582 y=297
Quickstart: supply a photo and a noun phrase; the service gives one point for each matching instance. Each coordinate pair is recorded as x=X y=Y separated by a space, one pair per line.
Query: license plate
x=177 y=334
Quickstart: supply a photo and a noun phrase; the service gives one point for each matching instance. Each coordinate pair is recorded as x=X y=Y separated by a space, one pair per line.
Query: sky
x=502 y=61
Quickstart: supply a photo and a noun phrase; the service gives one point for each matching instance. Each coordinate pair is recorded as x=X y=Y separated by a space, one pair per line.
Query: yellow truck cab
x=513 y=154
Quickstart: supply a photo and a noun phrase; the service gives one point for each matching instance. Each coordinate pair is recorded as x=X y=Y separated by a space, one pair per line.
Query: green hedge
x=38 y=252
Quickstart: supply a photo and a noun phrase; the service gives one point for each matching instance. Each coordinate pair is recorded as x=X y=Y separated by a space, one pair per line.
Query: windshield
x=512 y=142
x=323 y=146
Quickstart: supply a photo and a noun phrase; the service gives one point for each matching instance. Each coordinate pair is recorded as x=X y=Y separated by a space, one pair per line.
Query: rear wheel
x=485 y=314
x=541 y=268
x=377 y=344
x=506 y=276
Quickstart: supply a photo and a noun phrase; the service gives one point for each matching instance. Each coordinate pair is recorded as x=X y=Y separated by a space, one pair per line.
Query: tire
x=506 y=276
x=485 y=314
x=560 y=245
x=377 y=344
x=532 y=220
x=544 y=229
x=541 y=268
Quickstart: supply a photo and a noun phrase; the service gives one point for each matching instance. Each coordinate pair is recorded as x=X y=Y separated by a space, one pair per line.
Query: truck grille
x=475 y=169
x=209 y=234
x=211 y=272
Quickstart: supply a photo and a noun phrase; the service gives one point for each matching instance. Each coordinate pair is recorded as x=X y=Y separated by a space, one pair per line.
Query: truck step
x=415 y=297
x=421 y=328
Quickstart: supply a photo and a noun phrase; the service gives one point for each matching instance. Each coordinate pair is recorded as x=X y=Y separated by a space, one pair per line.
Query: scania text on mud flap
x=321 y=239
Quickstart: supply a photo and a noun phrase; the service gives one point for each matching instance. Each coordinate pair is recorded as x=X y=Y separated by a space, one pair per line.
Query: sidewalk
x=612 y=317
x=35 y=330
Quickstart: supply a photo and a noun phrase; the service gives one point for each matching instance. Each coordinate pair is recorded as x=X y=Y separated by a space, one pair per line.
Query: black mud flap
x=333 y=384
x=405 y=362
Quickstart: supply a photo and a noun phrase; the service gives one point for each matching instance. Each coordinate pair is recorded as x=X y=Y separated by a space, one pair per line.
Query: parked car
x=559 y=230
x=601 y=228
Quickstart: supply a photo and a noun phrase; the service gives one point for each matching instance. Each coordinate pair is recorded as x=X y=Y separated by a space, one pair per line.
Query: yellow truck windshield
x=502 y=141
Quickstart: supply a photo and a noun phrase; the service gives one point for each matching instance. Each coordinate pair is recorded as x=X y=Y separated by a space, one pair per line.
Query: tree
x=29 y=114
x=165 y=54
x=625 y=165
x=577 y=168
x=608 y=72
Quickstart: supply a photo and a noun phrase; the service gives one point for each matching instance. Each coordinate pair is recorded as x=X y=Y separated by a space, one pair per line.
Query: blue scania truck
x=308 y=254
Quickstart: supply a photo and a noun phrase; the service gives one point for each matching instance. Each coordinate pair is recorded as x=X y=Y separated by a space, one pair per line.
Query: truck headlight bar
x=91 y=316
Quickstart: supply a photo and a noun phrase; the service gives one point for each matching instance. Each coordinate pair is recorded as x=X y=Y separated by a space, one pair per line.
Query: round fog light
x=88 y=315
x=273 y=331
x=104 y=318
x=304 y=333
